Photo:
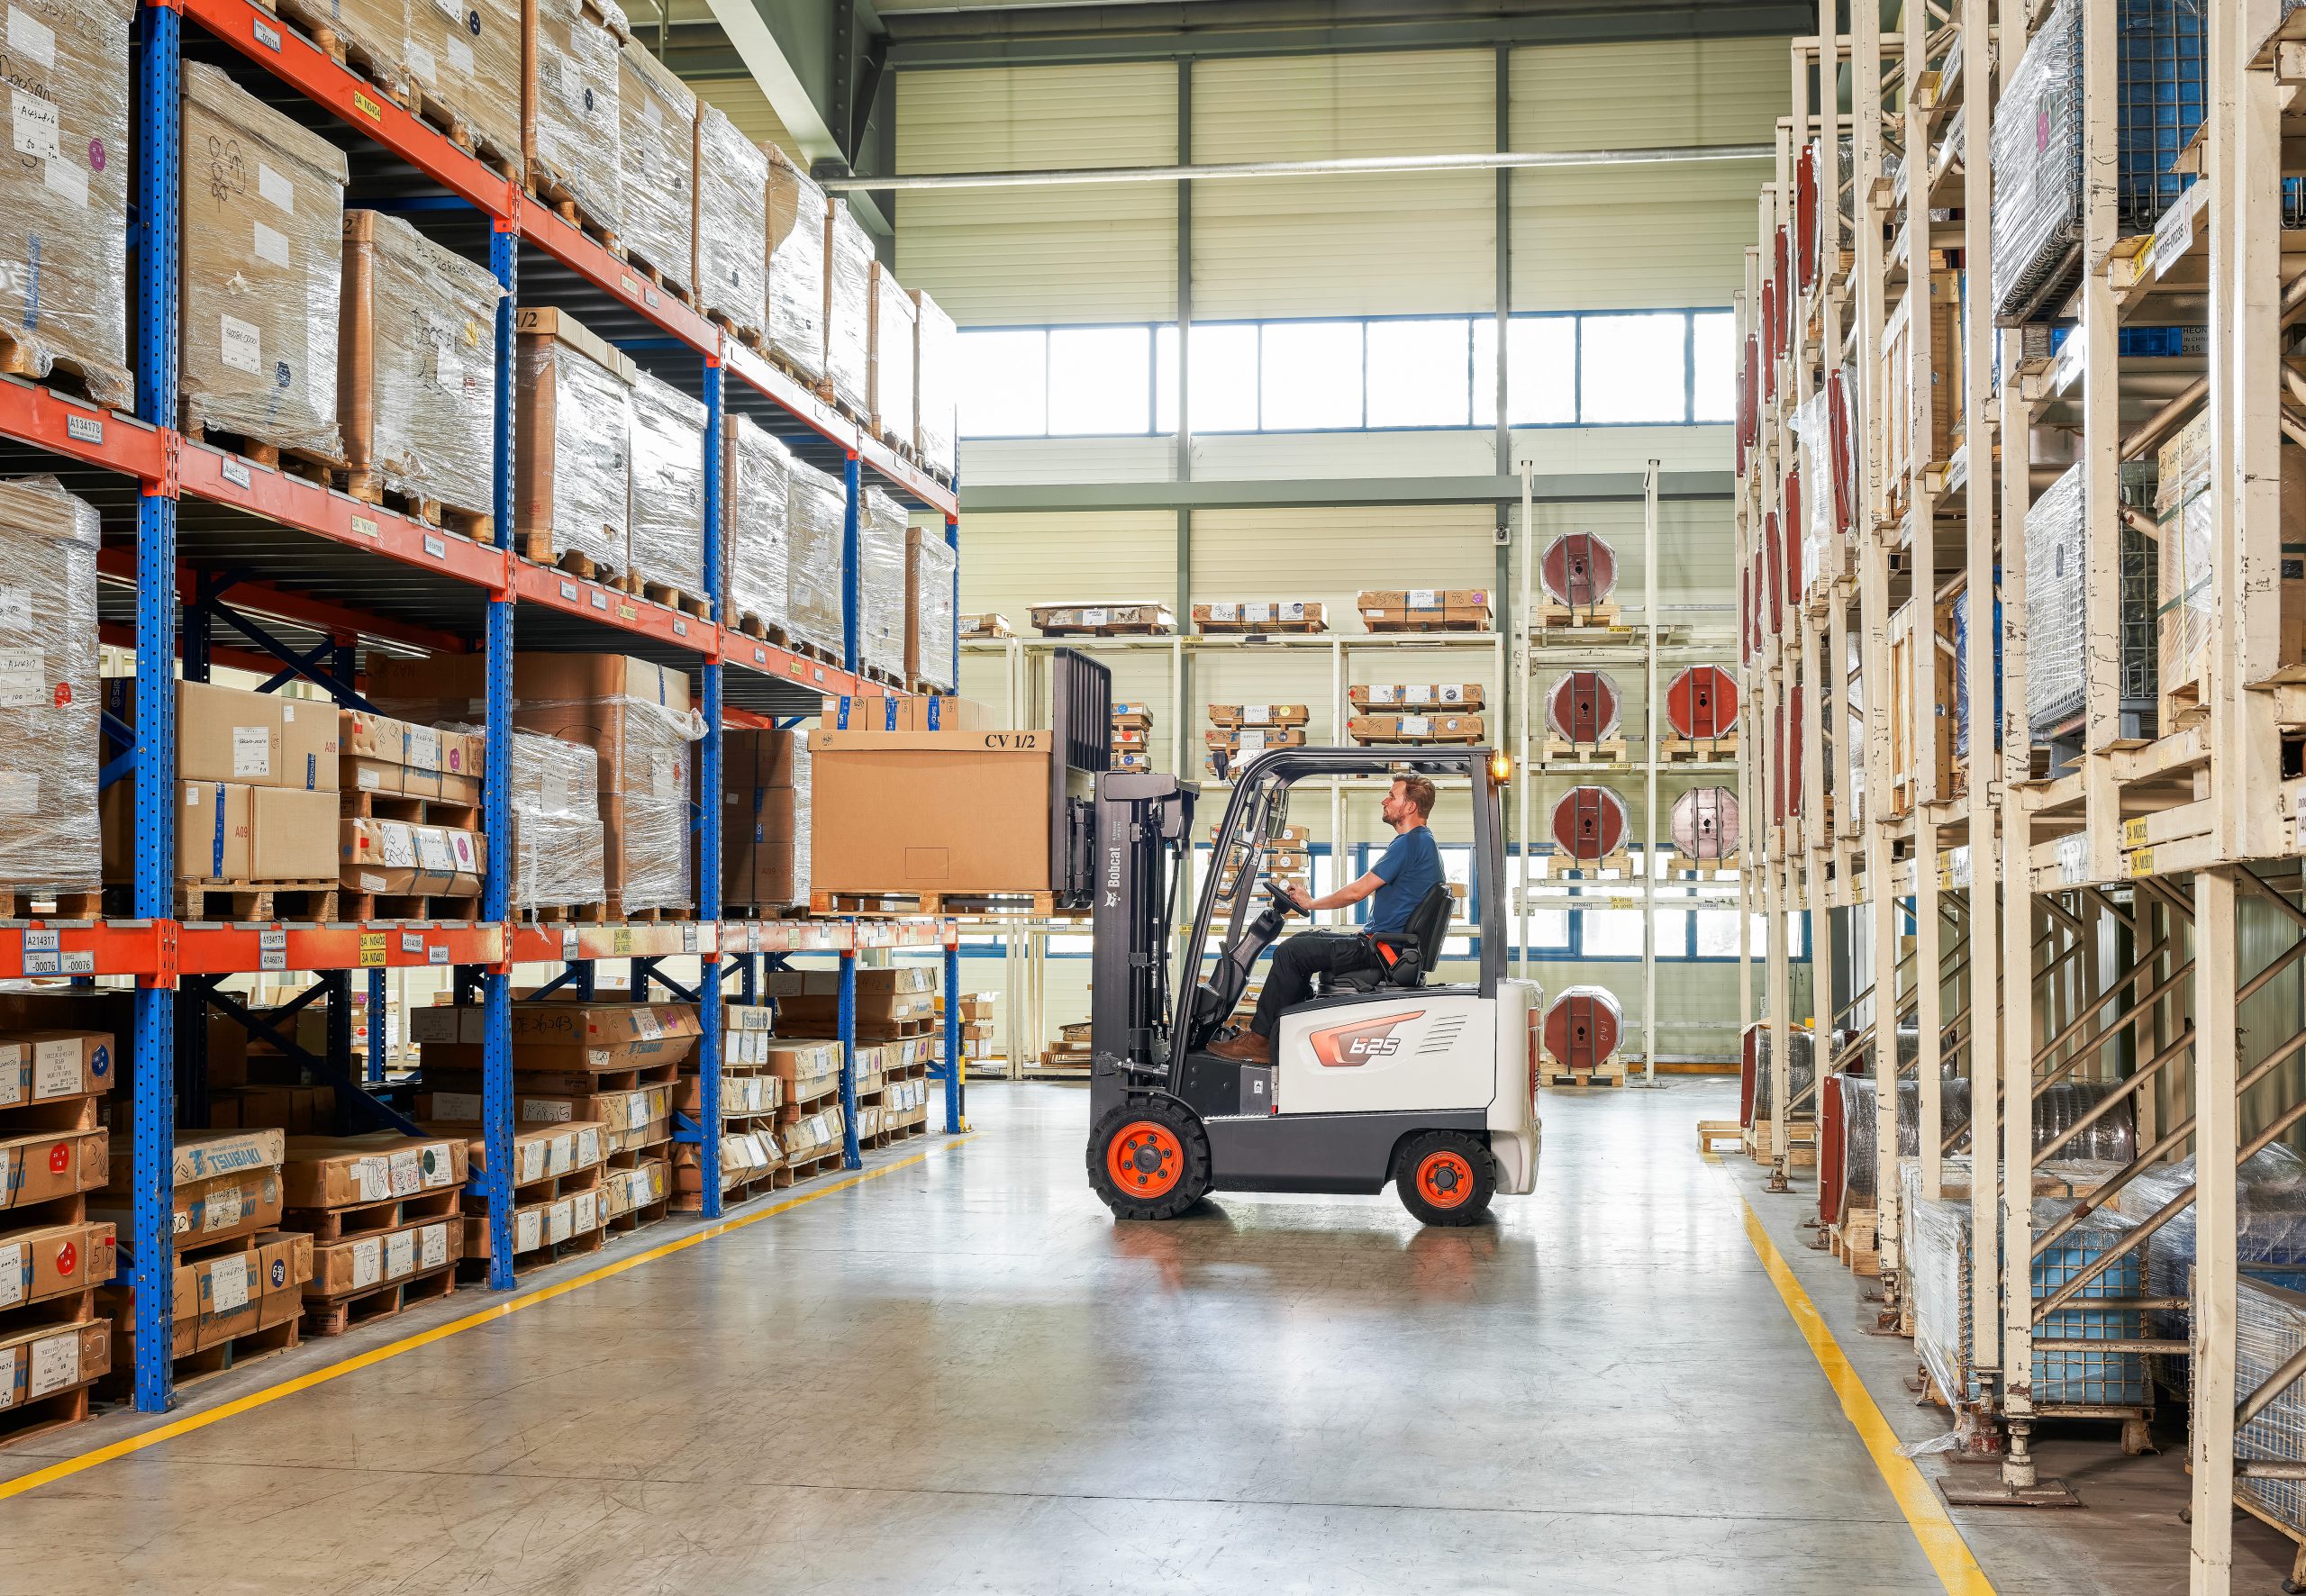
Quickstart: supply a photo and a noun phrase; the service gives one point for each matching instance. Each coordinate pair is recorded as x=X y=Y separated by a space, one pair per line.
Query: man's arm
x=1353 y=891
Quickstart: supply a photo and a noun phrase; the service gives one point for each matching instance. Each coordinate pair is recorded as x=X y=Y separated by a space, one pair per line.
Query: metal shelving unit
x=332 y=578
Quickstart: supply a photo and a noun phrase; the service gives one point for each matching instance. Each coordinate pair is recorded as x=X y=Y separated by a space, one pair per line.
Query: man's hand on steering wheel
x=1292 y=899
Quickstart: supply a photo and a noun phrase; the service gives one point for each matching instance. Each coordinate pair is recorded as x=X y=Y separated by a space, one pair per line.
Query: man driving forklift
x=1408 y=868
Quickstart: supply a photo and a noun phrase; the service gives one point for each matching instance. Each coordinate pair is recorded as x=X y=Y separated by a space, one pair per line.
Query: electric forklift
x=1387 y=1075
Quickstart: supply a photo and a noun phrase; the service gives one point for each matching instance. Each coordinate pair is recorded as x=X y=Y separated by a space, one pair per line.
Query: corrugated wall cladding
x=1630 y=237
x=1010 y=563
x=1352 y=245
x=998 y=255
x=1332 y=554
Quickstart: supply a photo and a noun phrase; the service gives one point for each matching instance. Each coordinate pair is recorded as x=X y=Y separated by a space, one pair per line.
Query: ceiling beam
x=1340 y=493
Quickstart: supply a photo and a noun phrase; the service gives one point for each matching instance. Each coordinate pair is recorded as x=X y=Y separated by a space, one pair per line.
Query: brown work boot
x=1248 y=1048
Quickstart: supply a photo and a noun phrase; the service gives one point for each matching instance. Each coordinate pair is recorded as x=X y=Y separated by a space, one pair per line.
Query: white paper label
x=1254 y=612
x=432 y=1247
x=223 y=1210
x=1424 y=598
x=68 y=179
x=16 y=609
x=646 y=1022
x=241 y=346
x=400 y=1254
x=1096 y=617
x=1251 y=742
x=368 y=780
x=544 y=1110
x=424 y=748
x=528 y=1231
x=588 y=1148
x=1453 y=693
x=276 y=188
x=636 y=1109
x=572 y=83
x=56 y=1364
x=535 y=1161
x=2074 y=859
x=559 y=1220
x=423 y=63
x=271 y=245
x=408 y=1172
x=19 y=792
x=368 y=1261
x=30 y=36
x=12 y=1274
x=228 y=1285
x=562 y=1156
x=460 y=57
x=1417 y=694
x=372 y=883
x=457 y=1107
x=586 y=1212
x=1416 y=726
x=1381 y=694
x=1221 y=611
x=2174 y=234
x=1257 y=714
x=37 y=126
x=372 y=1177
x=24 y=679
x=55 y=1067
x=397 y=845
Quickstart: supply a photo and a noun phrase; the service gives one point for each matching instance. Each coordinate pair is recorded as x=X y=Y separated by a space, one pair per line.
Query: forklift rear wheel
x=1445 y=1177
x=1148 y=1160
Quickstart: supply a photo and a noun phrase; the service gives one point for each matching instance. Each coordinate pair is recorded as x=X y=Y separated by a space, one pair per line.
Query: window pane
x=1223 y=384
x=1417 y=374
x=1631 y=368
x=1673 y=933
x=1312 y=374
x=1484 y=330
x=1165 y=379
x=1716 y=363
x=1540 y=369
x=1549 y=929
x=1007 y=393
x=1612 y=933
x=1099 y=380
x=1717 y=933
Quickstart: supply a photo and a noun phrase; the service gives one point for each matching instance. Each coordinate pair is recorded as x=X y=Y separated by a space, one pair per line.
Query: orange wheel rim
x=1145 y=1158
x=1445 y=1179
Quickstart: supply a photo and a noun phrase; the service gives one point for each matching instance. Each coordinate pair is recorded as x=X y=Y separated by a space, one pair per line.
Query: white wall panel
x=1010 y=563
x=998 y=255
x=1265 y=456
x=1006 y=461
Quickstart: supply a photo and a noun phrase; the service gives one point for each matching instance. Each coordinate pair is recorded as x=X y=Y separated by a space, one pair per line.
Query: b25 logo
x=1349 y=1046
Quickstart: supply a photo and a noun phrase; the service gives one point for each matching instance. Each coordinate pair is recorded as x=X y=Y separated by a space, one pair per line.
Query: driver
x=1410 y=867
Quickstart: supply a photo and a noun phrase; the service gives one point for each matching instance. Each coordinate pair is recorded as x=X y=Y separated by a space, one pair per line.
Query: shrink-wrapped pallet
x=416 y=385
x=558 y=839
x=848 y=306
x=49 y=697
x=263 y=240
x=371 y=36
x=936 y=383
x=881 y=584
x=756 y=509
x=570 y=139
x=891 y=376
x=572 y=444
x=813 y=558
x=931 y=617
x=795 y=333
x=64 y=199
x=657 y=133
x=2058 y=603
x=464 y=56
x=764 y=819
x=731 y=225
x=666 y=520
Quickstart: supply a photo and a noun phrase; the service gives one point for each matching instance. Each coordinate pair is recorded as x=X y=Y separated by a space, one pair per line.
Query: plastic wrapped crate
x=636 y=717
x=756 y=511
x=464 y=58
x=890 y=400
x=1801 y=1066
x=2270 y=1214
x=263 y=231
x=936 y=385
x=49 y=697
x=731 y=224
x=371 y=36
x=571 y=143
x=557 y=839
x=929 y=566
x=1812 y=431
x=64 y=198
x=848 y=306
x=2269 y=1330
x=814 y=560
x=416 y=387
x=1958 y=629
x=657 y=134
x=2057 y=607
x=572 y=446
x=2183 y=508
x=795 y=242
x=881 y=584
x=667 y=518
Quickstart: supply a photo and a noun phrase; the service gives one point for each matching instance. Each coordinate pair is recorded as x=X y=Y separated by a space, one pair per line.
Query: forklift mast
x=1144 y=853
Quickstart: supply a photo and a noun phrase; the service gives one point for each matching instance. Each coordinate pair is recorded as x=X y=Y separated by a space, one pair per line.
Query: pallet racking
x=313 y=580
x=2134 y=895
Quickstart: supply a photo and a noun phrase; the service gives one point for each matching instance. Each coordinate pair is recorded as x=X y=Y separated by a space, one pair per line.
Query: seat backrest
x=1428 y=923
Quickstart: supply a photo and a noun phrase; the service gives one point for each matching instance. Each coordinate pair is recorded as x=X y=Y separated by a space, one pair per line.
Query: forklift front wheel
x=1445 y=1177
x=1148 y=1160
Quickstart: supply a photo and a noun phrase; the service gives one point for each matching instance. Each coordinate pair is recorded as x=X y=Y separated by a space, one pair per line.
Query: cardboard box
x=1415 y=729
x=226 y=735
x=569 y=126
x=541 y=1223
x=1263 y=615
x=804 y=1067
x=217 y=1209
x=397 y=856
x=383 y=739
x=362 y=1262
x=546 y=1152
x=237 y=1294
x=869 y=831
x=1129 y=615
x=623 y=1191
x=1449 y=696
x=1259 y=715
x=1254 y=740
x=345 y=1171
x=912 y=713
x=296 y=1109
x=205 y=1155
x=572 y=452
x=614 y=1112
x=50 y=1359
x=51 y=1260
x=766 y=796
x=50 y=1065
x=308 y=745
x=292 y=835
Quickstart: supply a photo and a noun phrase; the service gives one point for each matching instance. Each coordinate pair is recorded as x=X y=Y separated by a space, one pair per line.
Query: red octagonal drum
x=1579 y=569
x=1705 y=824
x=1702 y=702
x=1582 y=1027
x=1589 y=823
x=1583 y=707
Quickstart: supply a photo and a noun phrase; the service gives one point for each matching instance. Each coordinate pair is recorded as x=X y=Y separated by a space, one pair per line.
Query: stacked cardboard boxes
x=795 y=254
x=55 y=1329
x=257 y=788
x=975 y=1024
x=1425 y=609
x=558 y=844
x=657 y=134
x=764 y=821
x=882 y=595
x=1415 y=729
x=755 y=518
x=409 y=826
x=1139 y=618
x=1240 y=733
x=382 y=1210
x=49 y=704
x=937 y=386
x=665 y=522
x=815 y=522
x=751 y=1094
x=931 y=594
x=991 y=624
x=849 y=302
x=1416 y=698
x=1285 y=860
x=555 y=1185
x=1070 y=1054
x=1262 y=616
x=815 y=1140
x=891 y=351
x=731 y=225
x=464 y=61
x=891 y=1003
x=635 y=1126
x=237 y=1272
x=1132 y=735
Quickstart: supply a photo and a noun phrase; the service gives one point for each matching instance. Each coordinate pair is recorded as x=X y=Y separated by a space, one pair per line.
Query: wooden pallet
x=103 y=386
x=744 y=333
x=28 y=1422
x=448 y=120
x=319 y=469
x=663 y=593
x=333 y=1315
x=1710 y=1133
x=416 y=811
x=536 y=547
x=763 y=910
x=369 y=486
x=814 y=383
x=1674 y=749
x=548 y=189
x=660 y=279
x=912 y=905
x=808 y=1169
x=363 y=1219
x=1801 y=1142
x=1135 y=628
x=318 y=23
x=666 y=915
x=1607 y=1075
x=375 y=906
x=639 y=1218
x=1680 y=869
x=1258 y=628
x=48 y=905
x=1555 y=750
x=1426 y=625
x=1856 y=1242
x=194 y=1367
x=1549 y=615
x=552 y=1252
x=572 y=913
x=316 y=901
x=1622 y=863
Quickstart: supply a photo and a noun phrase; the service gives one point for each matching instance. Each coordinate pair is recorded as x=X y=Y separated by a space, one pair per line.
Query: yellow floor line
x=67 y=1467
x=1941 y=1540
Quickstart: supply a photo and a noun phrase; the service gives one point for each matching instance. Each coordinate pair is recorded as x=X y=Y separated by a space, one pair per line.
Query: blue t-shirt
x=1411 y=866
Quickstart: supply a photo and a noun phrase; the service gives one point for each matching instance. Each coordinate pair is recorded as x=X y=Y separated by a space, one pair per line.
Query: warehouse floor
x=959 y=1374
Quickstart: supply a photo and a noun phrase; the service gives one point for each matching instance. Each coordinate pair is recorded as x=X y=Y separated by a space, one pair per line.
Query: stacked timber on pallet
x=1071 y=1053
x=1262 y=616
x=1425 y=609
x=382 y=1212
x=1135 y=617
x=56 y=1326
x=257 y=804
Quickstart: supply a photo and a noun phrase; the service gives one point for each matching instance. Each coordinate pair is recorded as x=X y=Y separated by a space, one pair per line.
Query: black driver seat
x=1402 y=957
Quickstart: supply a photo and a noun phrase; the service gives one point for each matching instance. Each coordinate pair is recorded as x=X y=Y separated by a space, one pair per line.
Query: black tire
x=1148 y=1159
x=1445 y=1177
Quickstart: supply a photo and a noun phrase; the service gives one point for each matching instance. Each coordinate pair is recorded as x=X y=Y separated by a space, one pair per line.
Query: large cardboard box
x=51 y=1260
x=570 y=136
x=572 y=442
x=50 y=1065
x=359 y=1262
x=292 y=835
x=50 y=1359
x=345 y=1171
x=216 y=1209
x=889 y=349
x=796 y=251
x=806 y=1067
x=932 y=601
x=466 y=59
x=732 y=249
x=766 y=798
x=226 y=735
x=237 y=1294
x=657 y=122
x=988 y=832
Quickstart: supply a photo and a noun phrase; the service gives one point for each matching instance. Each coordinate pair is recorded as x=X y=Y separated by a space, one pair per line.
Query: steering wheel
x=1287 y=904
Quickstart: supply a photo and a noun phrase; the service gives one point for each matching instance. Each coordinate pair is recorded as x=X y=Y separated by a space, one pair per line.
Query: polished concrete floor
x=962 y=1376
